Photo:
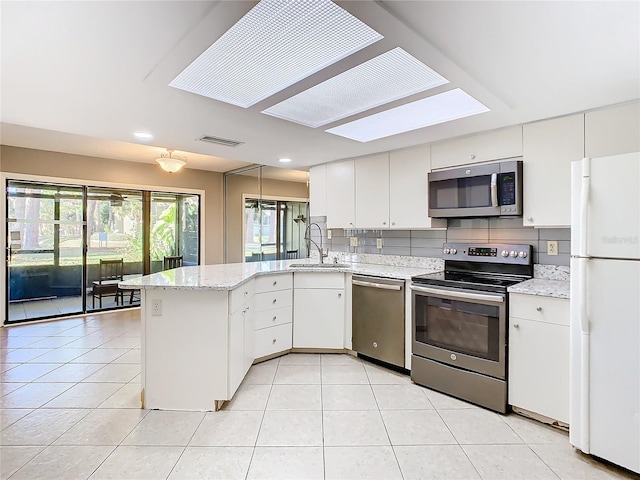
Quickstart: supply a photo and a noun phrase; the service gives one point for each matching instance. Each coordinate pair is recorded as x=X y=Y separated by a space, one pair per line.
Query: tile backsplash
x=428 y=243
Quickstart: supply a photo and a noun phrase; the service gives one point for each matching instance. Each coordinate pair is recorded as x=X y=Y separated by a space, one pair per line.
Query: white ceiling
x=81 y=77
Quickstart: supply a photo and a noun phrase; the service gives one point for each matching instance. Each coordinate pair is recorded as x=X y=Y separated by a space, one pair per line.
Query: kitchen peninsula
x=203 y=326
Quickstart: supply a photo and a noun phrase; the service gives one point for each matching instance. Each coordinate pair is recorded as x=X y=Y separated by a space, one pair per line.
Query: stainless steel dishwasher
x=378 y=318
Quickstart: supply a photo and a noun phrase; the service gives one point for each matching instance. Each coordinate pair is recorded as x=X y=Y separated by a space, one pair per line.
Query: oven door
x=461 y=328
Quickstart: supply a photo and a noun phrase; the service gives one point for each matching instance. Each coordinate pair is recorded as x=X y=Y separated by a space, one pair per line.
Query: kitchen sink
x=319 y=265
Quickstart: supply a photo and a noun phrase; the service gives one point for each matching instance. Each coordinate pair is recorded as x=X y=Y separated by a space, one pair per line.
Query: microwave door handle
x=494 y=189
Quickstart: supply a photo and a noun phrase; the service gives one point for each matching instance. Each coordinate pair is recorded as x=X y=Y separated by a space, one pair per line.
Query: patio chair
x=291 y=254
x=111 y=273
x=172 y=262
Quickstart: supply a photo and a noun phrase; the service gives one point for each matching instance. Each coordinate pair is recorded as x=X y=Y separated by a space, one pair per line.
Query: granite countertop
x=227 y=276
x=542 y=287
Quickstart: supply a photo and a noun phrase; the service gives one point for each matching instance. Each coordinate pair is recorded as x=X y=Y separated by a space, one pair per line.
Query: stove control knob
x=523 y=254
x=446 y=251
x=453 y=251
x=514 y=253
x=505 y=253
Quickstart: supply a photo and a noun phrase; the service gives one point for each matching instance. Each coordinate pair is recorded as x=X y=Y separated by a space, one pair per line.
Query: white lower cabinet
x=319 y=310
x=539 y=355
x=272 y=315
x=241 y=300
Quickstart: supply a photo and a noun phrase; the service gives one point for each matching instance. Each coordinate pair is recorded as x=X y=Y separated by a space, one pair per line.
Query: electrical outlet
x=156 y=307
x=378 y=243
x=328 y=234
x=353 y=241
x=552 y=247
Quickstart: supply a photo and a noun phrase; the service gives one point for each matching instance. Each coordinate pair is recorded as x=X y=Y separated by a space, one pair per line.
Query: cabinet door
x=318 y=318
x=483 y=147
x=612 y=131
x=408 y=189
x=539 y=367
x=340 y=195
x=318 y=190
x=549 y=147
x=372 y=191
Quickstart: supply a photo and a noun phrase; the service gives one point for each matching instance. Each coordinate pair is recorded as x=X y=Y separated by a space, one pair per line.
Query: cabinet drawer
x=542 y=309
x=241 y=294
x=270 y=318
x=319 y=280
x=270 y=300
x=273 y=340
x=271 y=283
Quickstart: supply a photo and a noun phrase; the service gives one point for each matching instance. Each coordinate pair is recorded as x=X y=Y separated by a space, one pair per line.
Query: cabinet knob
x=529 y=219
x=539 y=309
x=384 y=223
x=273 y=341
x=274 y=318
x=339 y=295
x=275 y=283
x=472 y=157
x=393 y=223
x=274 y=300
x=516 y=325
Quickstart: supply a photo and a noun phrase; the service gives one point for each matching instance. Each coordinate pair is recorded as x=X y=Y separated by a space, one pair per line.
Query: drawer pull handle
x=539 y=309
x=274 y=300
x=273 y=341
x=516 y=325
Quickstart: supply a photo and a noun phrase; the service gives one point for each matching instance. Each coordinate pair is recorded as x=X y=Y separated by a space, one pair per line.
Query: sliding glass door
x=45 y=230
x=69 y=246
x=174 y=228
x=274 y=230
x=114 y=232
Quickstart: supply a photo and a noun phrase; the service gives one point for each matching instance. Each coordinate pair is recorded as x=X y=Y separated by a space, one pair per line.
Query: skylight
x=383 y=79
x=276 y=44
x=440 y=108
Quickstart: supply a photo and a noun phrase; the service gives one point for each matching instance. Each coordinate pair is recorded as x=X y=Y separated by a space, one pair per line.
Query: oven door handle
x=463 y=295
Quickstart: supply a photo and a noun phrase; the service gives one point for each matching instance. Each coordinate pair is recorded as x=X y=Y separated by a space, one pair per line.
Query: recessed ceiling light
x=143 y=135
x=284 y=160
x=440 y=108
x=276 y=44
x=383 y=79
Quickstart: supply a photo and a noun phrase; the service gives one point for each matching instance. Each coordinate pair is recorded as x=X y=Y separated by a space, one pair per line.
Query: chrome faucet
x=307 y=237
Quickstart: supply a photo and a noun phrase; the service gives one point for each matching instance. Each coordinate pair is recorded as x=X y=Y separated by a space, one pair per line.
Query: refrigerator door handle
x=585 y=388
x=584 y=205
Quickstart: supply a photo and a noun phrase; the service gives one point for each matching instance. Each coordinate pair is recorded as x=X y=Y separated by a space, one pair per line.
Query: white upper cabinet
x=318 y=190
x=549 y=147
x=341 y=210
x=483 y=147
x=408 y=189
x=613 y=131
x=372 y=191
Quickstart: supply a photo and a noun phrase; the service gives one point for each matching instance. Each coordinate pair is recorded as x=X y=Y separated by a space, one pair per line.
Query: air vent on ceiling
x=220 y=141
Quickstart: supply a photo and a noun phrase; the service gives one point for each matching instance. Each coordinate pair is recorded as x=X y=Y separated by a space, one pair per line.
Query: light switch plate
x=552 y=247
x=353 y=241
x=378 y=243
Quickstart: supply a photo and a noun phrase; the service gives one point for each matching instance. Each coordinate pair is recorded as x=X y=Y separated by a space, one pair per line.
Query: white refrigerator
x=605 y=308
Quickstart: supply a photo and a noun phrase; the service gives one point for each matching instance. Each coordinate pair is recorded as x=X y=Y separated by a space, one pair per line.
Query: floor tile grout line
x=264 y=412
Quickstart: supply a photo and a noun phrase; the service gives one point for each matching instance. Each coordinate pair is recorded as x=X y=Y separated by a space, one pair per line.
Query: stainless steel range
x=460 y=319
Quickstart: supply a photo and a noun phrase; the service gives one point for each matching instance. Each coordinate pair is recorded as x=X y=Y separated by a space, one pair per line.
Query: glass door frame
x=84 y=183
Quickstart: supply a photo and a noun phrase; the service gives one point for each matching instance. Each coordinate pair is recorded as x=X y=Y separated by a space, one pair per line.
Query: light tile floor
x=70 y=404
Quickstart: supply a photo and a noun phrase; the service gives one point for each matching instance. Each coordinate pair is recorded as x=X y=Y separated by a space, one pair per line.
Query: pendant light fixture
x=171 y=163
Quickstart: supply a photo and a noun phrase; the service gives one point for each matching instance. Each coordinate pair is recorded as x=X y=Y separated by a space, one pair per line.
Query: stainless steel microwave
x=489 y=190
